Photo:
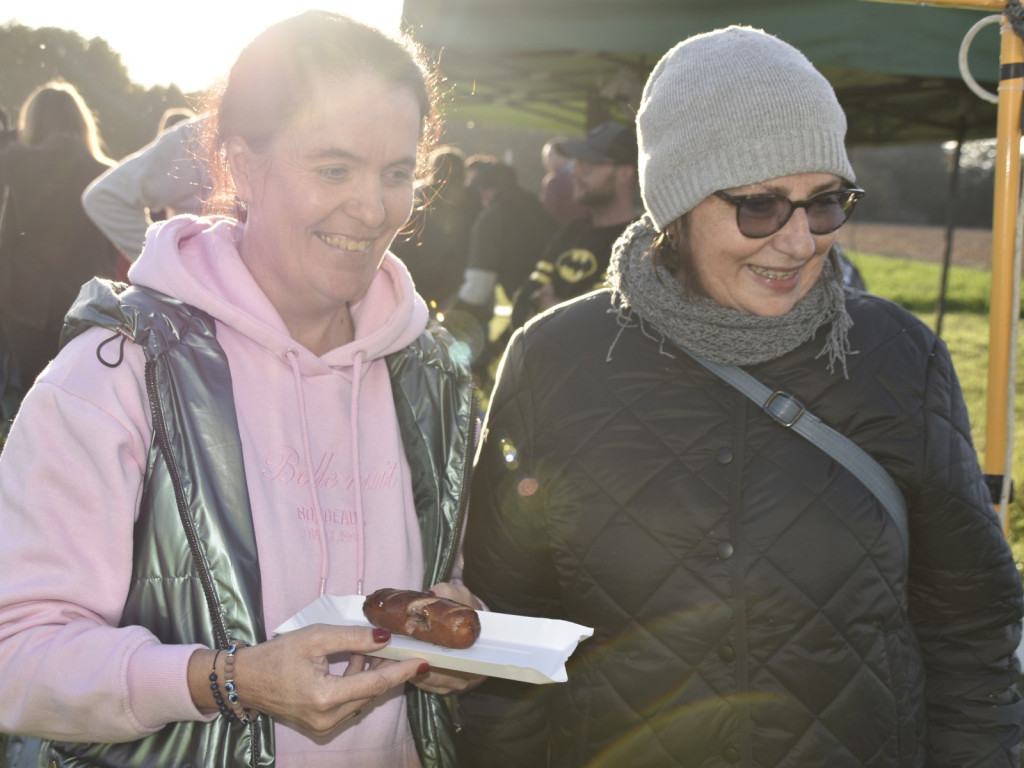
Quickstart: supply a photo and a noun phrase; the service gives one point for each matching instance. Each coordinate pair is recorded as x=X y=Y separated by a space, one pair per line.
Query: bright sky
x=190 y=45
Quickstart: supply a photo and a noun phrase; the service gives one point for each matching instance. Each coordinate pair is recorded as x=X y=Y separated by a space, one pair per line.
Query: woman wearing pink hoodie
x=262 y=418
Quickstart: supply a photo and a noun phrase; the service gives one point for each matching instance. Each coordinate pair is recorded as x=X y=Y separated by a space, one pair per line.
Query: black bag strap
x=790 y=412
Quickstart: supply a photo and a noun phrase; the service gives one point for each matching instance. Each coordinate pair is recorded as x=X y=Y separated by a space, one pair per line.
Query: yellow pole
x=1004 y=227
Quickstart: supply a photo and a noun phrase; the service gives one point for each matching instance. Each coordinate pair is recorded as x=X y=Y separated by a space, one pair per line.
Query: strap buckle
x=995 y=487
x=784 y=408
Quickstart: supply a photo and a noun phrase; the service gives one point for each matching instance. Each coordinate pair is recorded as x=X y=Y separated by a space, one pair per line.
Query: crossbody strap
x=791 y=413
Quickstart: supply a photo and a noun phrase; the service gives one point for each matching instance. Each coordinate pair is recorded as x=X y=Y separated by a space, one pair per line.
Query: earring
x=667 y=241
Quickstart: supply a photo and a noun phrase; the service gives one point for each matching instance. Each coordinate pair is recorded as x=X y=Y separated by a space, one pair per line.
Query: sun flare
x=180 y=48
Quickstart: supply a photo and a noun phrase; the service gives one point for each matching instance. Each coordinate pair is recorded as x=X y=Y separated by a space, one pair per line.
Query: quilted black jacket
x=751 y=600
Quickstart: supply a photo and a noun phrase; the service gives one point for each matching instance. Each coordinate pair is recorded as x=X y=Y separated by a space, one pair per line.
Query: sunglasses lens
x=763 y=215
x=827 y=213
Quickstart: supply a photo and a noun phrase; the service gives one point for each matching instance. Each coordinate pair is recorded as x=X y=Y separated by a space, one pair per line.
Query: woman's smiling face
x=762 y=276
x=328 y=195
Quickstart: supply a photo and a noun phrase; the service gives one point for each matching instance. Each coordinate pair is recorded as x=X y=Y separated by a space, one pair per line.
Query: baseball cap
x=607 y=142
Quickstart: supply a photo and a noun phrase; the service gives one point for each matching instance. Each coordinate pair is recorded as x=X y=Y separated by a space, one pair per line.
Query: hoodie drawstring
x=357 y=375
x=293 y=359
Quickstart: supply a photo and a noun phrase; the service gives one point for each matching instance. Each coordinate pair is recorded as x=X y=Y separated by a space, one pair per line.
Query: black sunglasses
x=764 y=215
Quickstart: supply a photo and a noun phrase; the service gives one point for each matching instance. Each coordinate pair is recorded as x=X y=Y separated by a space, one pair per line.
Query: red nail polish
x=381 y=635
x=423 y=669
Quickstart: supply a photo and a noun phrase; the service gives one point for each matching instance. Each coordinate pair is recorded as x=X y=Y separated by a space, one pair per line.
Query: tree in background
x=127 y=113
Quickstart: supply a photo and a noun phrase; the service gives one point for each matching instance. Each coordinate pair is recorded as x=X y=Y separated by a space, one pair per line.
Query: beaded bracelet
x=217 y=697
x=244 y=716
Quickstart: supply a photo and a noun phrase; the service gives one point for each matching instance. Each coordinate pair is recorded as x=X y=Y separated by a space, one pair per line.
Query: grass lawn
x=965 y=329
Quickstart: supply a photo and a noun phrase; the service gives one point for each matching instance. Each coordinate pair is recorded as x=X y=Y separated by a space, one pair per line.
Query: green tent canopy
x=563 y=65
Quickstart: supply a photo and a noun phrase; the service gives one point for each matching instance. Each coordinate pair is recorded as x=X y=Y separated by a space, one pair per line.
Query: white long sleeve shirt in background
x=165 y=174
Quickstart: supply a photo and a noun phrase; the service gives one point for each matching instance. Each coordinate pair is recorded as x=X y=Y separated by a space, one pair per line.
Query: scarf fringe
x=624 y=317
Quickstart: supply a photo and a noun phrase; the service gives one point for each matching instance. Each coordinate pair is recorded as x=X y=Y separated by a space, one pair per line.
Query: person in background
x=48 y=246
x=474 y=163
x=853 y=280
x=604 y=183
x=753 y=602
x=168 y=176
x=443 y=212
x=556 y=188
x=242 y=430
x=8 y=133
x=504 y=242
x=170 y=118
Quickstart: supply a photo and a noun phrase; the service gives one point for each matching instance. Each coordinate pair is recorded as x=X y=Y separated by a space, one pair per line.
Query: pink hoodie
x=71 y=479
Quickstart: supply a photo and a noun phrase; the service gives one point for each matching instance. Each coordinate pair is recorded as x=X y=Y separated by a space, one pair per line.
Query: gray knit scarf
x=706 y=328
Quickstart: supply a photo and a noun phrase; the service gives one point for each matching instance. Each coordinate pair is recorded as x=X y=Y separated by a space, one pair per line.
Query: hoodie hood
x=196 y=260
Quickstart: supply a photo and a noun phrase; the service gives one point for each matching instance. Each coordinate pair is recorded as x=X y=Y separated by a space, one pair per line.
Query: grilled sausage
x=423 y=616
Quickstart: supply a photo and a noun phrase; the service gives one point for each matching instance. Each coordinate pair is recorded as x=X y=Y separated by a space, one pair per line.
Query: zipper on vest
x=219 y=631
x=160 y=435
x=255 y=743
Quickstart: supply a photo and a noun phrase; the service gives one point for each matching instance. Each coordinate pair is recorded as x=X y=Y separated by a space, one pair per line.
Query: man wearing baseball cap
x=575 y=260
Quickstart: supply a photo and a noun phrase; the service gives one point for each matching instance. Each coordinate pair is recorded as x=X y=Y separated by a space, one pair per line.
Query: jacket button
x=731 y=755
x=724 y=550
x=726 y=653
x=724 y=455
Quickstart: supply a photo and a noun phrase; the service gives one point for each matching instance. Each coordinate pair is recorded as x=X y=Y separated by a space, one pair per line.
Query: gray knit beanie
x=733 y=107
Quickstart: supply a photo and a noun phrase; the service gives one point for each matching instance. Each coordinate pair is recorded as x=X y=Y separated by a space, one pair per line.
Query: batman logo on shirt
x=575 y=265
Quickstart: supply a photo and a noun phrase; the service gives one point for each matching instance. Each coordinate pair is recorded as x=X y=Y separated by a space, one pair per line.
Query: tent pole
x=1007 y=196
x=996 y=6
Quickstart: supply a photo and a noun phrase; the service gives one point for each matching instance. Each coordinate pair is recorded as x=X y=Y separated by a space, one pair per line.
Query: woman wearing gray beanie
x=755 y=601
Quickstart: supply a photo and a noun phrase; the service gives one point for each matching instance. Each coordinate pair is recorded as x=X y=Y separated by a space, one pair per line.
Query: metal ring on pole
x=965 y=71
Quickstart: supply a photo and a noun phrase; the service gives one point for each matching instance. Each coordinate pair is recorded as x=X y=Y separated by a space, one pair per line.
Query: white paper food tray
x=513 y=647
